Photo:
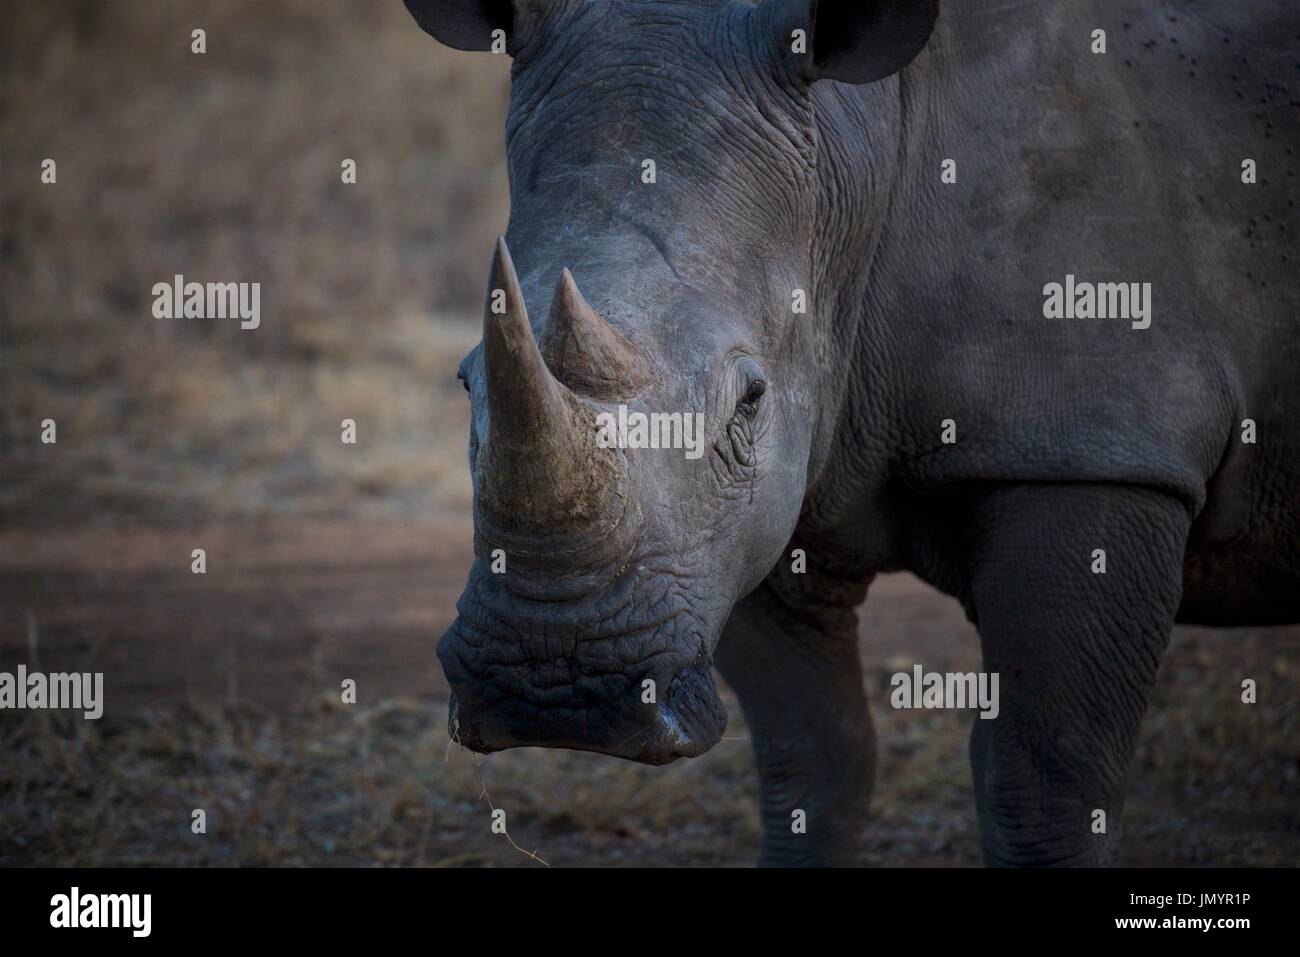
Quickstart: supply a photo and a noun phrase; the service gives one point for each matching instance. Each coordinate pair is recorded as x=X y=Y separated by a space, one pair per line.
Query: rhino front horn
x=540 y=467
x=586 y=352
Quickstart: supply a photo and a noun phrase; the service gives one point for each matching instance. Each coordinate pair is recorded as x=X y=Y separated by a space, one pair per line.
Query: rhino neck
x=868 y=186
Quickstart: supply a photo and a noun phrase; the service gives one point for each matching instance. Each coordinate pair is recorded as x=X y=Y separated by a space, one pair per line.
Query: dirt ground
x=222 y=692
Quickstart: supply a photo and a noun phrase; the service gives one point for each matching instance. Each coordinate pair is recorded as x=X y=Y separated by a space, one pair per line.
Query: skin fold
x=820 y=170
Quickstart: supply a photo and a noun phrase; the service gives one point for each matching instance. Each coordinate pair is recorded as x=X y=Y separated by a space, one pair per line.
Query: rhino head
x=666 y=201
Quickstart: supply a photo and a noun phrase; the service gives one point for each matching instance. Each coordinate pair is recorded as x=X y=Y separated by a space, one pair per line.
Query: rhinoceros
x=1004 y=295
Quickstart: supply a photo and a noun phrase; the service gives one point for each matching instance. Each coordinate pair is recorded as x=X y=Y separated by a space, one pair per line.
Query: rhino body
x=1056 y=378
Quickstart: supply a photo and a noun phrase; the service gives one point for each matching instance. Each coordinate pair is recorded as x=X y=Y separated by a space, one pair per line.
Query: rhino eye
x=749 y=404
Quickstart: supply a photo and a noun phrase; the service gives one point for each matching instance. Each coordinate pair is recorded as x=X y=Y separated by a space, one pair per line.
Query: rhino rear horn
x=586 y=352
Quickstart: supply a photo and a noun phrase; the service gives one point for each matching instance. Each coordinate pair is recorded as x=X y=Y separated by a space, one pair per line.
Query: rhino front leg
x=795 y=667
x=1076 y=649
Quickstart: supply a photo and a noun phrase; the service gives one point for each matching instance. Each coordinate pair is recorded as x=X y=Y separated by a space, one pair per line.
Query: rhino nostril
x=676 y=734
x=691 y=714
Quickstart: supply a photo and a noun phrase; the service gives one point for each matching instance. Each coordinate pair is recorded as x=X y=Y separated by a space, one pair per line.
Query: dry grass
x=342 y=785
x=1215 y=783
x=225 y=167
x=181 y=431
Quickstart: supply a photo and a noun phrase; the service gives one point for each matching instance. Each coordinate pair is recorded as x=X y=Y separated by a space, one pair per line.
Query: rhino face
x=662 y=175
x=599 y=568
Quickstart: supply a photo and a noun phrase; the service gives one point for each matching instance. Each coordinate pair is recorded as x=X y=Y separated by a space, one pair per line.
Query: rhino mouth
x=655 y=724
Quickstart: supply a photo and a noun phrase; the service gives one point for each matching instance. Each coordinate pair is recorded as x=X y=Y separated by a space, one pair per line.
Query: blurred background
x=328 y=561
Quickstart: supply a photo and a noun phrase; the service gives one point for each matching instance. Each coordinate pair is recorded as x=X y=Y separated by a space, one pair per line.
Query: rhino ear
x=463 y=24
x=856 y=41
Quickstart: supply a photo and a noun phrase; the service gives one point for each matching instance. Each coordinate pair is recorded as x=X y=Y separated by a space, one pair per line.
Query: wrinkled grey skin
x=925 y=304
